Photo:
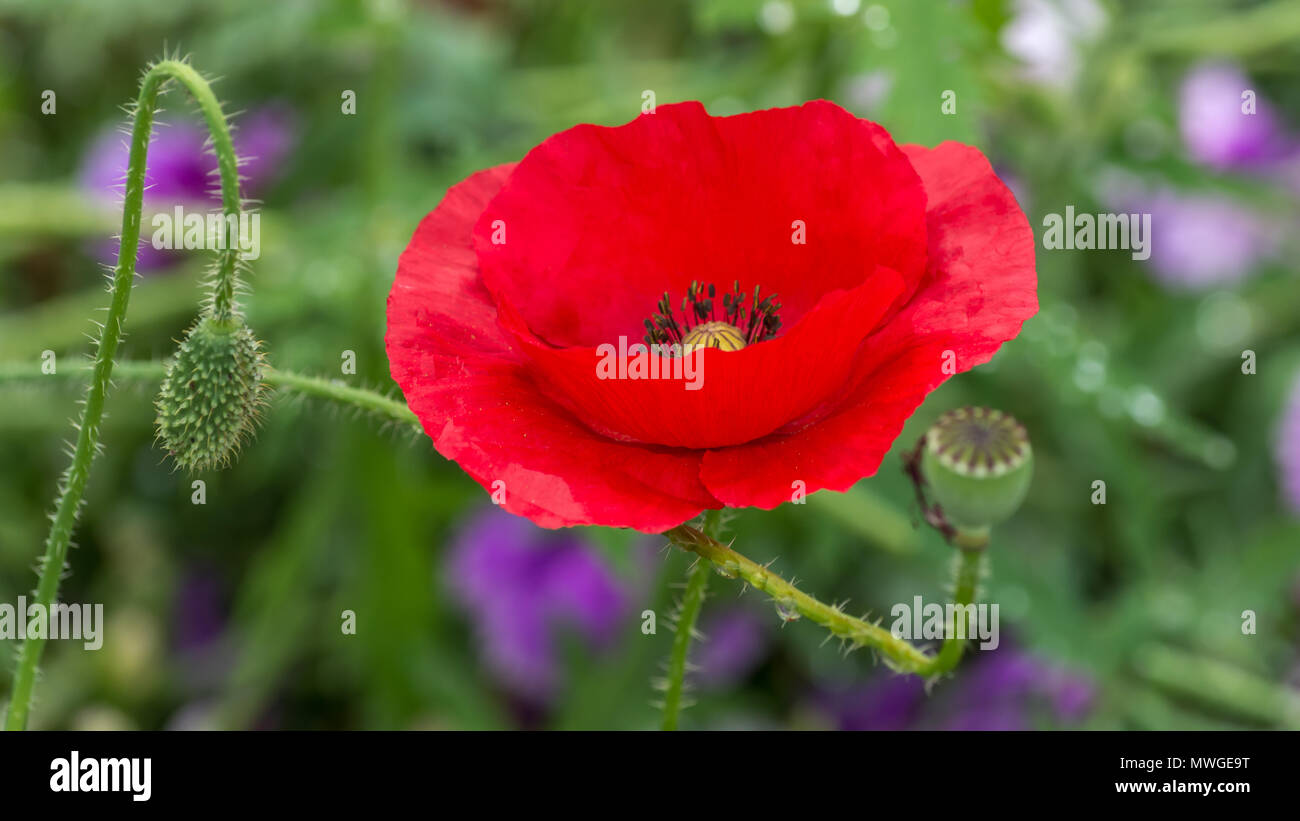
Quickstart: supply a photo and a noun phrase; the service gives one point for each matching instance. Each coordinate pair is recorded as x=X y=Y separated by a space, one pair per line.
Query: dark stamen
x=755 y=316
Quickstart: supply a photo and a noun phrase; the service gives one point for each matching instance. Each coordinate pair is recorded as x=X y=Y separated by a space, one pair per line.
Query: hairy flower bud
x=977 y=464
x=212 y=394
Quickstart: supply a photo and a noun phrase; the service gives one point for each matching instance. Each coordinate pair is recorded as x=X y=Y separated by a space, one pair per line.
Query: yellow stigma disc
x=713 y=335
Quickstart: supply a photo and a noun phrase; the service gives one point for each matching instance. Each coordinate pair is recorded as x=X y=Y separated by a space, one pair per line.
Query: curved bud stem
x=224 y=284
x=73 y=485
x=899 y=654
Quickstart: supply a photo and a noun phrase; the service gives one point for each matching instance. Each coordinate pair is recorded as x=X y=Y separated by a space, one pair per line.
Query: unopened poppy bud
x=977 y=464
x=212 y=394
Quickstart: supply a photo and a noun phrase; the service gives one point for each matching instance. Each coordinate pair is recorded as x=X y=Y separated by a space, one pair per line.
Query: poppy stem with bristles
x=697 y=583
x=899 y=654
x=367 y=401
x=224 y=286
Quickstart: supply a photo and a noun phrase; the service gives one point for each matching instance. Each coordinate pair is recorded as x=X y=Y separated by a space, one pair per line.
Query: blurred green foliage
x=325 y=512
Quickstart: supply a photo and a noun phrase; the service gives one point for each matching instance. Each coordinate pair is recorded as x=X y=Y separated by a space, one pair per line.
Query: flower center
x=713 y=335
x=744 y=319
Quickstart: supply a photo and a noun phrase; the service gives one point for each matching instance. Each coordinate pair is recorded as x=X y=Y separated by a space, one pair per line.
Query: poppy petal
x=979 y=288
x=597 y=223
x=473 y=394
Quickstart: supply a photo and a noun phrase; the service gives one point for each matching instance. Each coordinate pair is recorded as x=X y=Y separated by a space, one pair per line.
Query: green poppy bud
x=212 y=394
x=977 y=464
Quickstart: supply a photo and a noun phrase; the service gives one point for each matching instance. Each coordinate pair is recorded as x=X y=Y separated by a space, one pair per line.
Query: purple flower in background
x=177 y=166
x=200 y=612
x=1005 y=689
x=735 y=642
x=200 y=621
x=180 y=171
x=521 y=585
x=1288 y=449
x=263 y=139
x=1197 y=240
x=1002 y=692
x=1216 y=129
x=887 y=703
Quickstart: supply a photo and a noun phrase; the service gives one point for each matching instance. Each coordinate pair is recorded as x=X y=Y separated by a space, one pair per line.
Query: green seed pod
x=977 y=464
x=212 y=394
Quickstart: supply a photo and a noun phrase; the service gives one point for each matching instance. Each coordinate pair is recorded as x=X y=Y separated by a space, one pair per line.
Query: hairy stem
x=697 y=583
x=225 y=282
x=970 y=565
x=393 y=410
x=366 y=400
x=900 y=655
x=73 y=485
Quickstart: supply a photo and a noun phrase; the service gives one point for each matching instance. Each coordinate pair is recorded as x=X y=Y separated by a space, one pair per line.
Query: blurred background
x=1127 y=614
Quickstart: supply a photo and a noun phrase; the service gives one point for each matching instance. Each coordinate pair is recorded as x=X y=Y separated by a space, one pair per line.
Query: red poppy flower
x=880 y=270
